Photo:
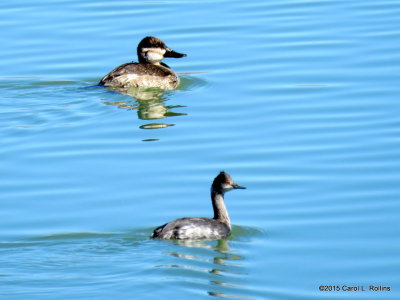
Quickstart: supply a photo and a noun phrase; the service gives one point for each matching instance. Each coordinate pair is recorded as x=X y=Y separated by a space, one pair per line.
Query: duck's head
x=224 y=183
x=153 y=50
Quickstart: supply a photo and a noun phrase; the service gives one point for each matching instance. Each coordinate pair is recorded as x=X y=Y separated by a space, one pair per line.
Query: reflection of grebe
x=149 y=71
x=203 y=228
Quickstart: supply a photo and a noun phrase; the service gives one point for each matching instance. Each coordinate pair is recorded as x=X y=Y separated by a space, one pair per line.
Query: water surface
x=297 y=100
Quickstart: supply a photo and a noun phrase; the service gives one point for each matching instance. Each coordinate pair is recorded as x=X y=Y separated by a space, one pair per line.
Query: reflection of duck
x=203 y=228
x=149 y=71
x=149 y=105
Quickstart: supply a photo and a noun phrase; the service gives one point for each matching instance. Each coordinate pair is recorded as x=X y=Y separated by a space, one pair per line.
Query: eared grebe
x=204 y=228
x=149 y=71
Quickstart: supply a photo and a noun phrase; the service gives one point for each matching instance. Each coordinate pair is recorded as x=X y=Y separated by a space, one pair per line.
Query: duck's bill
x=237 y=186
x=172 y=53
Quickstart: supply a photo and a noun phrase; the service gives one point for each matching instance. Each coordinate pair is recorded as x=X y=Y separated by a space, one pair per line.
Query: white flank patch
x=126 y=79
x=130 y=77
x=193 y=231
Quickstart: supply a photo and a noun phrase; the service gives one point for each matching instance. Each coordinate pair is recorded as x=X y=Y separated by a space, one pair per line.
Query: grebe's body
x=217 y=227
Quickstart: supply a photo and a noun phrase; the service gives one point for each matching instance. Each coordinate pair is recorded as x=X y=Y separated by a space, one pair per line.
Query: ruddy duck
x=149 y=71
x=214 y=228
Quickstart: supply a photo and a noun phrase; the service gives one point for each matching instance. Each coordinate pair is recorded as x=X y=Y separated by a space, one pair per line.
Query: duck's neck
x=220 y=212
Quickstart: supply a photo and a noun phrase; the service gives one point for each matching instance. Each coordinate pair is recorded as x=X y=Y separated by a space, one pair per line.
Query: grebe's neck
x=220 y=212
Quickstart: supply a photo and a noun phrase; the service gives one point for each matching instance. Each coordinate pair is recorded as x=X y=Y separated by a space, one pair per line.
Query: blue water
x=297 y=100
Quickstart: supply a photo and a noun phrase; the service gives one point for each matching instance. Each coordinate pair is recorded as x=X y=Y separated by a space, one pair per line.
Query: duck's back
x=141 y=75
x=192 y=228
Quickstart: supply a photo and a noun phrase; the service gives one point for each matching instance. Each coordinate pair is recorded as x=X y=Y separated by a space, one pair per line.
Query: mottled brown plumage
x=149 y=71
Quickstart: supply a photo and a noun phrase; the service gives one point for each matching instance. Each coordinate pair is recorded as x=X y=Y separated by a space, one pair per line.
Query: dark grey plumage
x=192 y=228
x=217 y=227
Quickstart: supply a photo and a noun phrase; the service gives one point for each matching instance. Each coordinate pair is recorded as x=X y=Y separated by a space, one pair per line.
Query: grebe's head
x=224 y=183
x=153 y=50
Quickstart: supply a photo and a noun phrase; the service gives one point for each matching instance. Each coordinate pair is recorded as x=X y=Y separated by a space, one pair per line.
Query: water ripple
x=298 y=100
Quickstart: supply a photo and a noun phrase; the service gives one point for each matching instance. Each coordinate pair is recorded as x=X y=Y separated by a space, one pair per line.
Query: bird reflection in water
x=225 y=272
x=149 y=104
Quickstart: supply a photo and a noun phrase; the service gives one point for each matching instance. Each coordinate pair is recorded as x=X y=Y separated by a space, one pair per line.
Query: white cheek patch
x=226 y=187
x=154 y=54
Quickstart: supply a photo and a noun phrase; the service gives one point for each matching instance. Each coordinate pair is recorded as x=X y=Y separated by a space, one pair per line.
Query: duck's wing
x=135 y=69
